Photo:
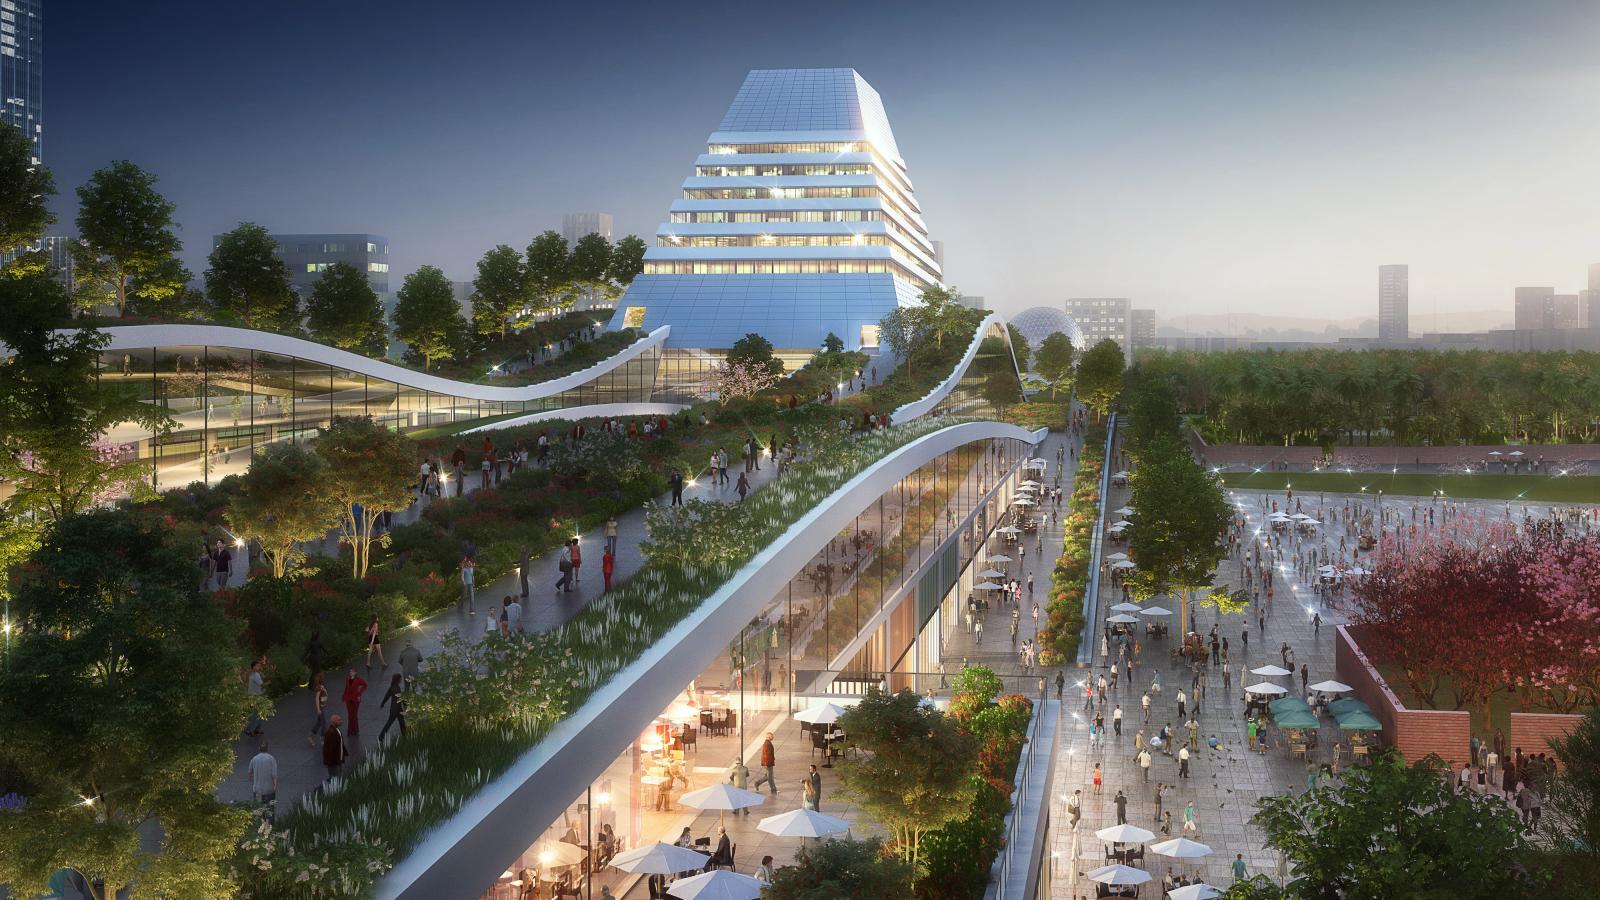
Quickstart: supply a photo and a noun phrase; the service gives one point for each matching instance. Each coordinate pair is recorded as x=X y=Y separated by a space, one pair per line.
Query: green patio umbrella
x=1288 y=704
x=1295 y=718
x=1356 y=720
x=1347 y=704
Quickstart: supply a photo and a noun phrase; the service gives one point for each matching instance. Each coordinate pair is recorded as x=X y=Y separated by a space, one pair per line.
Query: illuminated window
x=869 y=336
x=371 y=247
x=377 y=267
x=634 y=317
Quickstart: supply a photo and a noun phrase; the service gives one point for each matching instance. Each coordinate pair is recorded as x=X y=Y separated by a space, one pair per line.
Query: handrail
x=1015 y=872
x=1091 y=597
x=924 y=406
x=132 y=337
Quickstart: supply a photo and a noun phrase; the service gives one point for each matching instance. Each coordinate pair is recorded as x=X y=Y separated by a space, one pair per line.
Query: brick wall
x=1533 y=731
x=1414 y=732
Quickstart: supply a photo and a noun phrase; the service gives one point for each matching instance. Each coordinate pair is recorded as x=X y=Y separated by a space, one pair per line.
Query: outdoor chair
x=691 y=739
x=818 y=742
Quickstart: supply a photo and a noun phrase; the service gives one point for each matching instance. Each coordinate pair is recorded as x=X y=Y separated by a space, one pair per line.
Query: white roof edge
x=132 y=337
x=917 y=408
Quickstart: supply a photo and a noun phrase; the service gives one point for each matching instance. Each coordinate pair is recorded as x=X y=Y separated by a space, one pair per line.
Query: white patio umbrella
x=1124 y=834
x=557 y=853
x=1156 y=611
x=1124 y=564
x=1125 y=607
x=1121 y=523
x=1302 y=515
x=1119 y=874
x=1515 y=453
x=1181 y=848
x=1194 y=892
x=802 y=823
x=1009 y=529
x=1357 y=570
x=1122 y=619
x=1122 y=474
x=991 y=573
x=1000 y=558
x=1023 y=501
x=821 y=714
x=987 y=586
x=719 y=884
x=1271 y=671
x=1496 y=453
x=1266 y=688
x=1309 y=521
x=1118 y=555
x=660 y=859
x=1031 y=483
x=1326 y=570
x=1124 y=511
x=1330 y=687
x=722 y=797
x=1037 y=463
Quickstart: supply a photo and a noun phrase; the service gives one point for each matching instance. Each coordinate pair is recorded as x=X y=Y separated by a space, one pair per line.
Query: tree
x=370 y=471
x=1182 y=516
x=832 y=344
x=1571 y=821
x=1100 y=376
x=119 y=701
x=835 y=868
x=549 y=272
x=283 y=500
x=427 y=318
x=1002 y=390
x=901 y=331
x=248 y=280
x=1053 y=362
x=1020 y=351
x=741 y=380
x=500 y=292
x=627 y=260
x=1389 y=830
x=166 y=293
x=756 y=351
x=590 y=266
x=941 y=313
x=55 y=411
x=124 y=232
x=345 y=311
x=914 y=773
x=25 y=192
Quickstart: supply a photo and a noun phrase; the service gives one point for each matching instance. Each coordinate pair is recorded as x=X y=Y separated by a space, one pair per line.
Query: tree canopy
x=345 y=311
x=427 y=318
x=25 y=192
x=1100 y=376
x=627 y=260
x=841 y=868
x=249 y=282
x=124 y=233
x=283 y=500
x=1053 y=361
x=1020 y=350
x=756 y=352
x=500 y=291
x=549 y=271
x=119 y=701
x=370 y=470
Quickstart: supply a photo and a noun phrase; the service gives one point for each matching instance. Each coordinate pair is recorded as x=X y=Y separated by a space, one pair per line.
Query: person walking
x=511 y=611
x=524 y=566
x=1144 y=763
x=1238 y=868
x=1189 y=823
x=374 y=643
x=354 y=687
x=254 y=685
x=577 y=562
x=1116 y=720
x=1183 y=762
x=263 y=772
x=1121 y=800
x=222 y=564
x=410 y=663
x=394 y=698
x=469 y=571
x=1097 y=778
x=1161 y=798
x=207 y=564
x=319 y=705
x=608 y=565
x=611 y=534
x=769 y=758
x=1075 y=808
x=1182 y=700
x=334 y=752
x=814 y=788
x=564 y=583
x=676 y=483
x=1145 y=702
x=739 y=777
x=1061 y=684
x=1305 y=679
x=743 y=487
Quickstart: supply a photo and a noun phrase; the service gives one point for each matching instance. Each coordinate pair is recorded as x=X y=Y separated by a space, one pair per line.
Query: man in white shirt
x=513 y=615
x=264 y=780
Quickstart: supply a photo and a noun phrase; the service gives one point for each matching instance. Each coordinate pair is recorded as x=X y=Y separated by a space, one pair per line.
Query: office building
x=974 y=301
x=938 y=253
x=575 y=226
x=799 y=220
x=22 y=69
x=307 y=255
x=1104 y=318
x=1535 y=308
x=59 y=249
x=1566 y=311
x=1394 y=322
x=1142 y=328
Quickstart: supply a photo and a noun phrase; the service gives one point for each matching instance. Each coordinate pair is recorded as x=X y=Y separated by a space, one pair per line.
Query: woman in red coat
x=608 y=564
x=354 y=687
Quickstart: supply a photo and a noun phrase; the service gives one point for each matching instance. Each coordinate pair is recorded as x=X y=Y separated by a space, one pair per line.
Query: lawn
x=1552 y=488
x=1501 y=704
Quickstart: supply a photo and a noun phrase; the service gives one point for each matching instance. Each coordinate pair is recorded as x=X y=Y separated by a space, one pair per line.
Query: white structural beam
x=462 y=856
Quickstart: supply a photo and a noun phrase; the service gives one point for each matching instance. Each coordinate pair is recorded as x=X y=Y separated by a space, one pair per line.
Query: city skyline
x=1191 y=182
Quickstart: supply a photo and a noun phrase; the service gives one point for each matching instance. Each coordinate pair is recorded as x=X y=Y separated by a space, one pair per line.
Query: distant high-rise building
x=1394 y=303
x=1104 y=318
x=1142 y=328
x=1536 y=308
x=1565 y=311
x=972 y=301
x=22 y=69
x=1594 y=276
x=582 y=224
x=308 y=255
x=60 y=250
x=1589 y=309
x=938 y=253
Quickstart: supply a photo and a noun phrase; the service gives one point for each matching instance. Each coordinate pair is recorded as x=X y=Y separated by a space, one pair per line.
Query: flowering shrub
x=1070 y=578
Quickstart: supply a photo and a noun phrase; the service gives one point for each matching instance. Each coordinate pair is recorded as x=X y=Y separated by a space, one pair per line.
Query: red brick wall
x=1414 y=732
x=1533 y=731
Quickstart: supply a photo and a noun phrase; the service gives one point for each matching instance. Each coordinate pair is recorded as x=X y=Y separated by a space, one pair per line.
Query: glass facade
x=873 y=608
x=225 y=402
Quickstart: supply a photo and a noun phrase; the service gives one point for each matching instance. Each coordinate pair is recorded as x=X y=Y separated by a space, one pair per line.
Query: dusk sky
x=1198 y=157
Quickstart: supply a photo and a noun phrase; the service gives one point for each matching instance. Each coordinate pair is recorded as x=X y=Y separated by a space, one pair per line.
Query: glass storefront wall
x=871 y=609
x=226 y=402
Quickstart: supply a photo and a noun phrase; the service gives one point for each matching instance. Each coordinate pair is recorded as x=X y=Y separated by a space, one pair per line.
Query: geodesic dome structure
x=1039 y=322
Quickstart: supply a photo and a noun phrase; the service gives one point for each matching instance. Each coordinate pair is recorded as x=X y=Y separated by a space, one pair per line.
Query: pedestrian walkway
x=1223 y=784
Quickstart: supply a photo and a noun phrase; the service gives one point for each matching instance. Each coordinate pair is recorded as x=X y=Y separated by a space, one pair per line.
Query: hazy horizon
x=1246 y=157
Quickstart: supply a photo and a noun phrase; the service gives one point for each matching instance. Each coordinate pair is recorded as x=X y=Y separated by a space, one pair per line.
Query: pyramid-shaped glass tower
x=799 y=220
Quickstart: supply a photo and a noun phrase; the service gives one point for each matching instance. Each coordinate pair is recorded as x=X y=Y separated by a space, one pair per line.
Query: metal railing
x=1006 y=864
x=1091 y=597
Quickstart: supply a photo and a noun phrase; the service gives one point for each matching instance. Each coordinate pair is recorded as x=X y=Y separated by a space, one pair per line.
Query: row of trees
x=126 y=257
x=1386 y=396
x=1522 y=607
x=1180 y=511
